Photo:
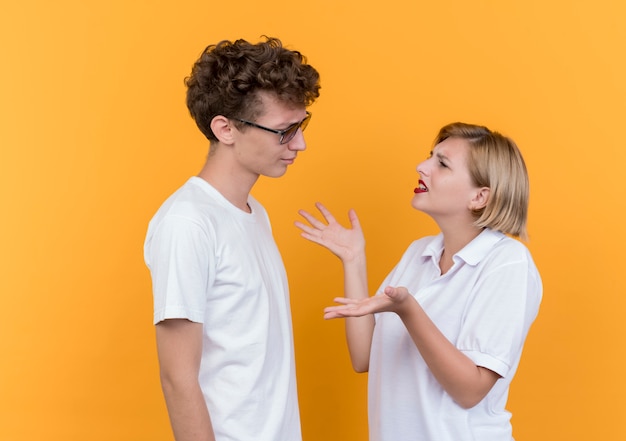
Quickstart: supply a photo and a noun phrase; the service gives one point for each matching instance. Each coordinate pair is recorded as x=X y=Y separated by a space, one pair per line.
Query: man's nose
x=298 y=142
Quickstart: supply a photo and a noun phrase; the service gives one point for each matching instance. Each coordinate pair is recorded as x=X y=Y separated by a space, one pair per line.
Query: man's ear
x=480 y=199
x=222 y=129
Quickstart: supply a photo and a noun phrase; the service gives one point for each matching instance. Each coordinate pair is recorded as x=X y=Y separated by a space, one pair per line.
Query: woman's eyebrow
x=441 y=156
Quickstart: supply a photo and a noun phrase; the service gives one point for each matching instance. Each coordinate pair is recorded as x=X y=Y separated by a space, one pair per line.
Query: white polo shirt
x=484 y=305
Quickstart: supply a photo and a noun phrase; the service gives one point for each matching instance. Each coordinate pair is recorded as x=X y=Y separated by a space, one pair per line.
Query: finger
x=402 y=290
x=312 y=219
x=314 y=238
x=304 y=227
x=354 y=219
x=331 y=315
x=304 y=213
x=345 y=304
x=388 y=290
x=342 y=312
x=335 y=308
x=345 y=301
x=395 y=292
x=326 y=213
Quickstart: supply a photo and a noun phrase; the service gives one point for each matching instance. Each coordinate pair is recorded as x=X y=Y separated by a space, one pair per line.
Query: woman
x=443 y=336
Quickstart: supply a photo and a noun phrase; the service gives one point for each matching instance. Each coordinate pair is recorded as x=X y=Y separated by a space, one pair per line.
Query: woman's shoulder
x=426 y=245
x=509 y=250
x=511 y=245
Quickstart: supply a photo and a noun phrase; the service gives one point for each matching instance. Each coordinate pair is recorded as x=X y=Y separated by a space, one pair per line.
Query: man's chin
x=276 y=173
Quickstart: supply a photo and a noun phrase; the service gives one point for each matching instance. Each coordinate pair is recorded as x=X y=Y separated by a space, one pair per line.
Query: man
x=221 y=300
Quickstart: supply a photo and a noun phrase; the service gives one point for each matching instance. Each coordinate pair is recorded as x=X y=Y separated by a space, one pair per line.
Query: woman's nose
x=422 y=168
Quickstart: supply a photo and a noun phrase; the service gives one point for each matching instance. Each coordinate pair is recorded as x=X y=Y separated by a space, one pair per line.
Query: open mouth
x=421 y=188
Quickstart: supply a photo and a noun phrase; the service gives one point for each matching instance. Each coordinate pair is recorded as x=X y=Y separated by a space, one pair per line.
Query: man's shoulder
x=191 y=200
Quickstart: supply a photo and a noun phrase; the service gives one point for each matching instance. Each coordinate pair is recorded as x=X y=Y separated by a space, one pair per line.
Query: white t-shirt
x=484 y=305
x=214 y=264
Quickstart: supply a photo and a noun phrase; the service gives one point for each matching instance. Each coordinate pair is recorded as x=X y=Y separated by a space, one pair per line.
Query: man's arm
x=179 y=346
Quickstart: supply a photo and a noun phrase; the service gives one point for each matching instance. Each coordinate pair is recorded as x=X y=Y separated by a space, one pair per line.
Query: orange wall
x=94 y=135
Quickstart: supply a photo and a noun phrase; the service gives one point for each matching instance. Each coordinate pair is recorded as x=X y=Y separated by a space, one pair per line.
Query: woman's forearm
x=359 y=330
x=458 y=374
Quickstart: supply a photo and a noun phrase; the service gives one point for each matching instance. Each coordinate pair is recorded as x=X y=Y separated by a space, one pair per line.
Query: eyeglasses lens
x=291 y=132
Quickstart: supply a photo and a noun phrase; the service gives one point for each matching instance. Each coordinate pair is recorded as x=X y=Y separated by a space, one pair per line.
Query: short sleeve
x=499 y=315
x=180 y=257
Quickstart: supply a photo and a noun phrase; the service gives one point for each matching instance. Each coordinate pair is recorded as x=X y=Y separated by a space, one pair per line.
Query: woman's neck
x=454 y=240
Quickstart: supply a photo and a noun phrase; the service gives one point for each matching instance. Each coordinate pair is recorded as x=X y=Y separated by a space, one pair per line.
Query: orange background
x=94 y=135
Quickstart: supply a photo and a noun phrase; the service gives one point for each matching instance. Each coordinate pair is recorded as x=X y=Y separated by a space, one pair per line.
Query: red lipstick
x=422 y=188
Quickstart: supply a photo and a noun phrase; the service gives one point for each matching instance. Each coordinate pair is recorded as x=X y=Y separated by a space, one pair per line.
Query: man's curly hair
x=227 y=77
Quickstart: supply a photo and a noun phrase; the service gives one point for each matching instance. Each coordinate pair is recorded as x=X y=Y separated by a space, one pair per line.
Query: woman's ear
x=480 y=199
x=222 y=129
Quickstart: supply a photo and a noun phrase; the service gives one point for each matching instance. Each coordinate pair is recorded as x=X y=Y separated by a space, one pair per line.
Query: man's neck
x=232 y=185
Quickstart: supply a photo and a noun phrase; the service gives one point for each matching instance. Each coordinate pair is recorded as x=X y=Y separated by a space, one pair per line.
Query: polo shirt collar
x=473 y=252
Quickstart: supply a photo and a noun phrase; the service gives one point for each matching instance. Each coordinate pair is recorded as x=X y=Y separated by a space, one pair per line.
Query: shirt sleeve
x=180 y=260
x=499 y=315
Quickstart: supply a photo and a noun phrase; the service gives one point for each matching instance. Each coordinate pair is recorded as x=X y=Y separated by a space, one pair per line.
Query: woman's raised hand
x=345 y=243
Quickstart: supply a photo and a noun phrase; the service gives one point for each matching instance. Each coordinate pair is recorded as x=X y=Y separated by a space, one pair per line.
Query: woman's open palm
x=345 y=243
x=390 y=300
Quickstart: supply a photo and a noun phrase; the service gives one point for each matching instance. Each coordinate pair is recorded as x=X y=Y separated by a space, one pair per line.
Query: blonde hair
x=495 y=161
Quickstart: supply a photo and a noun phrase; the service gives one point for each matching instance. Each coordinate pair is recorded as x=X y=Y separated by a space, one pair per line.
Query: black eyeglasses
x=285 y=135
